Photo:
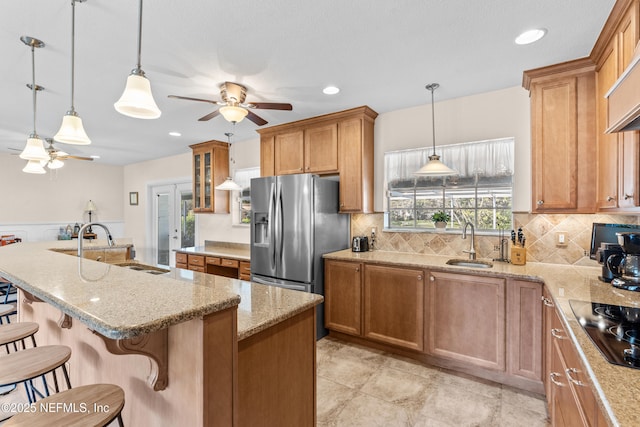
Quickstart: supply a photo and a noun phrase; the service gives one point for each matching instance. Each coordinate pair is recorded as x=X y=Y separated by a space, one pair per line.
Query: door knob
x=540 y=202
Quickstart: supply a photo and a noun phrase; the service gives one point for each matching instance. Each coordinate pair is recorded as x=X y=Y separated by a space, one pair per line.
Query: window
x=480 y=194
x=242 y=209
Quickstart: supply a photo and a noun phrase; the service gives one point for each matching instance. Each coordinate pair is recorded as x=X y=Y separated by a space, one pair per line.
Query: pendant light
x=34 y=149
x=229 y=184
x=137 y=100
x=434 y=167
x=71 y=131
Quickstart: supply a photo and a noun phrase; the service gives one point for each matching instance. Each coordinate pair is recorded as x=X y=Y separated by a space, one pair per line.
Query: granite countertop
x=114 y=301
x=261 y=306
x=617 y=388
x=220 y=249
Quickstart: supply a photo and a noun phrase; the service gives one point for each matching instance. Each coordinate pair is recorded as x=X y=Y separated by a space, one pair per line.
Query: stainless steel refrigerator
x=294 y=222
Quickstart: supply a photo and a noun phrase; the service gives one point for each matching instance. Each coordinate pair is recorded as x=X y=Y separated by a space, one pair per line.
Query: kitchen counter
x=617 y=388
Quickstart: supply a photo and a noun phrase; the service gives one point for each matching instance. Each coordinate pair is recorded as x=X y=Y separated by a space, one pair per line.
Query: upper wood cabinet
x=618 y=153
x=337 y=143
x=563 y=137
x=210 y=168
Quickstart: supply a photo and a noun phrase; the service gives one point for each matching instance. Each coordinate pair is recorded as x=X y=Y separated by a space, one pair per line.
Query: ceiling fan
x=56 y=156
x=233 y=106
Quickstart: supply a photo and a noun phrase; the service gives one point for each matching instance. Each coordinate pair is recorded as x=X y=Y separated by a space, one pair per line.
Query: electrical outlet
x=561 y=238
x=496 y=247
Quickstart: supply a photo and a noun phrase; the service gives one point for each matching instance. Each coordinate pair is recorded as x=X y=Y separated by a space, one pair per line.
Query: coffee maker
x=603 y=253
x=626 y=266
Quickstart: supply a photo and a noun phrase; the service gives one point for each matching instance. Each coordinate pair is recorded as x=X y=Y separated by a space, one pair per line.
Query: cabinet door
x=608 y=156
x=547 y=339
x=321 y=149
x=343 y=296
x=564 y=409
x=555 y=144
x=351 y=158
x=394 y=306
x=210 y=168
x=267 y=165
x=219 y=172
x=524 y=329
x=467 y=319
x=289 y=153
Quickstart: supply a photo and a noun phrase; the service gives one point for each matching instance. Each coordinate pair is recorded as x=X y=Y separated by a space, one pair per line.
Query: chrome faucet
x=471 y=251
x=81 y=235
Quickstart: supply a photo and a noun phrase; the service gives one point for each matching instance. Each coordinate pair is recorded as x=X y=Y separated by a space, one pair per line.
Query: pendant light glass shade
x=233 y=114
x=137 y=100
x=229 y=185
x=72 y=131
x=34 y=166
x=34 y=150
x=434 y=166
x=55 y=164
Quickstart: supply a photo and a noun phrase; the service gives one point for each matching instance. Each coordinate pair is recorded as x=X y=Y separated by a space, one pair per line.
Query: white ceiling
x=379 y=53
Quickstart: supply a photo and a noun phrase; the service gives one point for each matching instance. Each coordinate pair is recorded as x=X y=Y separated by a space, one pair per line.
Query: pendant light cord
x=73 y=50
x=432 y=87
x=34 y=89
x=139 y=64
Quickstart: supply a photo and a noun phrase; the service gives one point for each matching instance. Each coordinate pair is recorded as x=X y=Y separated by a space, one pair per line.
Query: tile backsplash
x=540 y=231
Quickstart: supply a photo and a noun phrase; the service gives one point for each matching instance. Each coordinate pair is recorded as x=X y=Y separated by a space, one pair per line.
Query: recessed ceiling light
x=175 y=134
x=330 y=90
x=531 y=36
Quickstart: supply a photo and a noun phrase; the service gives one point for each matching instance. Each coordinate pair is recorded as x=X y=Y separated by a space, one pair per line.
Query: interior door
x=173 y=220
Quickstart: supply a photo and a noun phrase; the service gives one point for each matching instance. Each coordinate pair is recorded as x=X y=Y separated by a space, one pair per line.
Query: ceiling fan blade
x=255 y=118
x=209 y=116
x=75 y=157
x=271 y=106
x=14 y=149
x=193 y=99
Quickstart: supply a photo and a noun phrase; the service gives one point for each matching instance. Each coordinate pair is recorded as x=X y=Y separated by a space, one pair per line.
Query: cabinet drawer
x=196 y=268
x=181 y=258
x=229 y=263
x=245 y=276
x=245 y=267
x=182 y=265
x=214 y=260
x=196 y=260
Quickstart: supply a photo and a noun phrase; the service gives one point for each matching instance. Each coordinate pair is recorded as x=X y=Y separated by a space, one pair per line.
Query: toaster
x=360 y=244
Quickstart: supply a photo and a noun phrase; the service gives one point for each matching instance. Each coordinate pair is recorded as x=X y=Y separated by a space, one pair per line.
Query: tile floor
x=358 y=386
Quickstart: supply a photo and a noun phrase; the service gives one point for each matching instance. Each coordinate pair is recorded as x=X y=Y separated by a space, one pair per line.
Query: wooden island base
x=267 y=379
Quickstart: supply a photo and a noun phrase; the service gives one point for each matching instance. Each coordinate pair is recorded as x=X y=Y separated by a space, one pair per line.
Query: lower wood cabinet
x=467 y=319
x=394 y=306
x=343 y=296
x=220 y=266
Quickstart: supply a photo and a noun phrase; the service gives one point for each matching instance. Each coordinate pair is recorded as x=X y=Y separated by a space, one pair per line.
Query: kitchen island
x=616 y=388
x=188 y=348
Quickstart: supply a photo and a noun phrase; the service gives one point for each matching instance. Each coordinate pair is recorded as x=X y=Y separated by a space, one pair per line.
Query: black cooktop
x=613 y=329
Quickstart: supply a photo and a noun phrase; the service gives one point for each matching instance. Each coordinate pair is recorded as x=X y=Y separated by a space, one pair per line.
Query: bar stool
x=103 y=403
x=6 y=310
x=14 y=332
x=23 y=366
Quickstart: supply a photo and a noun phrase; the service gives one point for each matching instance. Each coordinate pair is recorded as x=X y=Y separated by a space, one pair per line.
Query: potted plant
x=440 y=219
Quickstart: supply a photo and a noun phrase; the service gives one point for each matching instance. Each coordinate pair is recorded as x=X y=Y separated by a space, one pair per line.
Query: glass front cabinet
x=210 y=168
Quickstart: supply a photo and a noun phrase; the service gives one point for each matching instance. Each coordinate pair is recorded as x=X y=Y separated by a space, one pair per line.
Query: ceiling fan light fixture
x=34 y=150
x=137 y=100
x=55 y=164
x=71 y=131
x=34 y=166
x=434 y=166
x=233 y=114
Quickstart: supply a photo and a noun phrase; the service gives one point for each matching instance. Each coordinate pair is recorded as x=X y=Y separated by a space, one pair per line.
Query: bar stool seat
x=14 y=332
x=25 y=365
x=6 y=310
x=103 y=403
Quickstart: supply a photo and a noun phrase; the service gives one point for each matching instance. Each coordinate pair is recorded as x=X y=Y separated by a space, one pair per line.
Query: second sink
x=470 y=263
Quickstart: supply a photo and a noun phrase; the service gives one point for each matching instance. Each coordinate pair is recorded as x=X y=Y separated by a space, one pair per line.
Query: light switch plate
x=562 y=238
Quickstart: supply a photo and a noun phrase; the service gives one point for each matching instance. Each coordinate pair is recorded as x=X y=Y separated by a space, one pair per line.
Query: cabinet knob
x=552 y=378
x=433 y=279
x=546 y=301
x=570 y=371
x=628 y=196
x=610 y=199
x=556 y=333
x=419 y=278
x=357 y=269
x=540 y=202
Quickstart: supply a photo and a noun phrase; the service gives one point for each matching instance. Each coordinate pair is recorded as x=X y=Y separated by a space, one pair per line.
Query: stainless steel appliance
x=360 y=244
x=295 y=221
x=626 y=266
x=613 y=329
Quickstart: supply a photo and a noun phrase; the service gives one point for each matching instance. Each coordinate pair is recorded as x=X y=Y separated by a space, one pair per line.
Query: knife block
x=518 y=256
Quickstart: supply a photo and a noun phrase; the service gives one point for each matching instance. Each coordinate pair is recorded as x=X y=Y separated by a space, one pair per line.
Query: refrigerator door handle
x=278 y=221
x=272 y=227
